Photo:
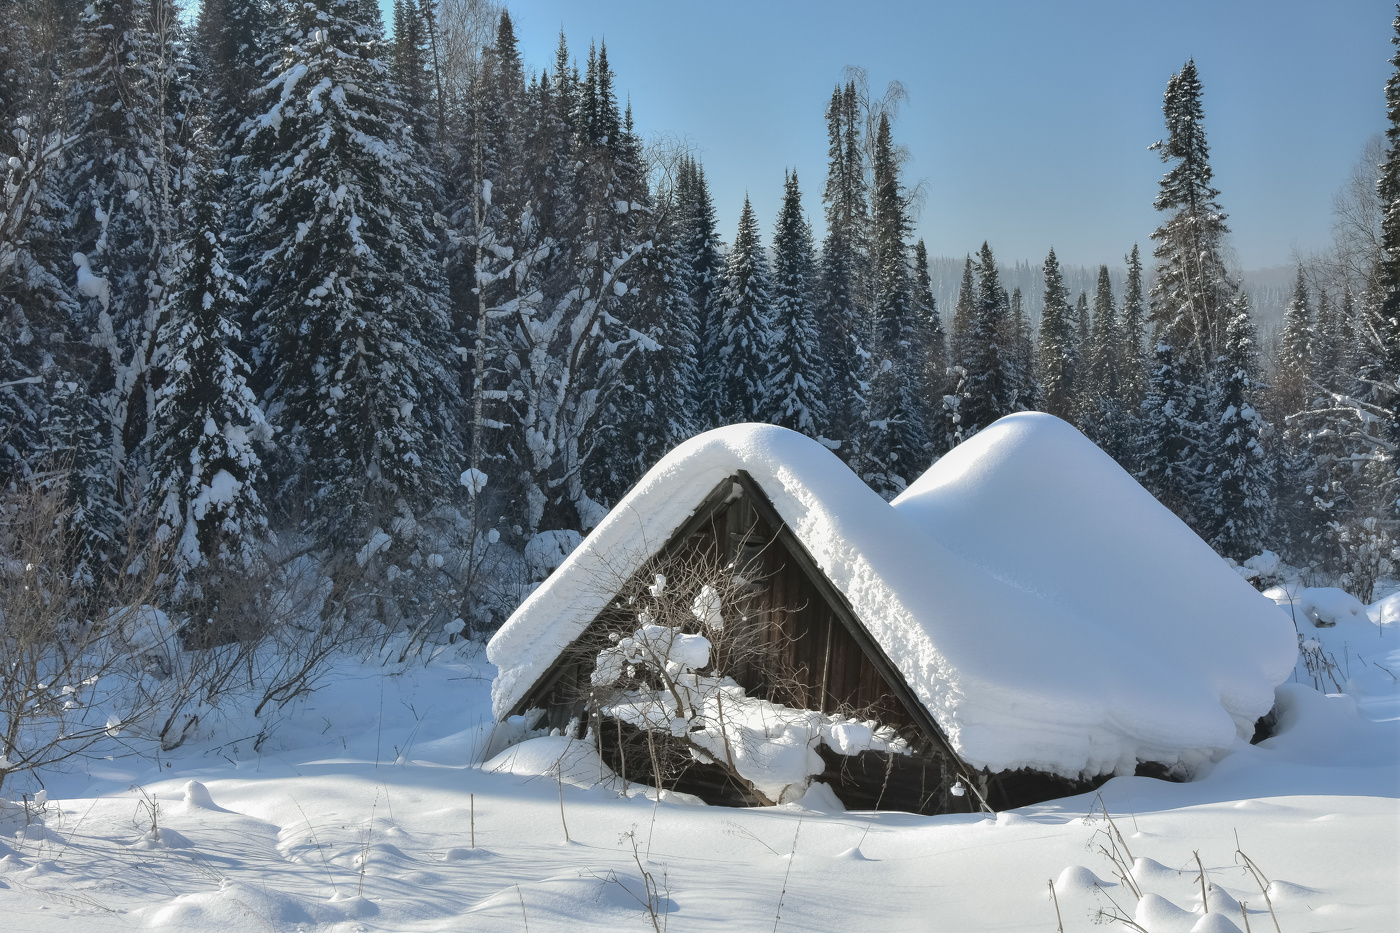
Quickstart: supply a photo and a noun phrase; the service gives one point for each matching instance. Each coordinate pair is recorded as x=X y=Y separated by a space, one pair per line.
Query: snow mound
x=1156 y=914
x=1325 y=606
x=1045 y=608
x=553 y=756
x=197 y=797
x=604 y=901
x=1078 y=879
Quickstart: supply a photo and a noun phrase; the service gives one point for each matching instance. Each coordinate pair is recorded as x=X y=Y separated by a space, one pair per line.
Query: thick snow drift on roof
x=1165 y=635
x=1047 y=611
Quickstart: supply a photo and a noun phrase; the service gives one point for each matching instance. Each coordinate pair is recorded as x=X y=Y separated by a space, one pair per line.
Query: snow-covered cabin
x=1025 y=614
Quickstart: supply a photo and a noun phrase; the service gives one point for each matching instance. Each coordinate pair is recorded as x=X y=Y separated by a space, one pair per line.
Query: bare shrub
x=69 y=642
x=683 y=670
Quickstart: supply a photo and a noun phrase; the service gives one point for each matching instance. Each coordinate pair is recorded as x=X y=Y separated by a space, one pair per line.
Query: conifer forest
x=282 y=287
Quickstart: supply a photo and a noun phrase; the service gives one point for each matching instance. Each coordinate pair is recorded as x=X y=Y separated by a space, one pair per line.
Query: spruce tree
x=1326 y=349
x=410 y=66
x=1105 y=341
x=123 y=165
x=894 y=432
x=963 y=314
x=1238 y=506
x=799 y=377
x=1103 y=415
x=232 y=37
x=1389 y=191
x=654 y=407
x=564 y=329
x=1133 y=354
x=1193 y=294
x=745 y=354
x=839 y=313
x=351 y=323
x=1022 y=341
x=701 y=249
x=935 y=344
x=1057 y=359
x=1083 y=329
x=77 y=455
x=986 y=389
x=1169 y=436
x=1388 y=274
x=1294 y=363
x=205 y=468
x=37 y=338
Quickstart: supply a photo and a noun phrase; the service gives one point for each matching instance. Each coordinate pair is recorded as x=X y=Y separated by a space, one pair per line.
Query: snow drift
x=1043 y=606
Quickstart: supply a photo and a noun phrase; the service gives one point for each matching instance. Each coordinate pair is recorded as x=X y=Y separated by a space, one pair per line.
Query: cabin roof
x=1041 y=605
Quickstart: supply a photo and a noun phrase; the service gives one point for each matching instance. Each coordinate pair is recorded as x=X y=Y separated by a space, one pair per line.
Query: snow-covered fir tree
x=1294 y=363
x=657 y=404
x=352 y=326
x=746 y=351
x=1193 y=294
x=894 y=432
x=1388 y=272
x=844 y=255
x=703 y=253
x=410 y=65
x=1057 y=356
x=1103 y=415
x=1133 y=326
x=799 y=376
x=77 y=461
x=36 y=307
x=986 y=388
x=125 y=116
x=935 y=369
x=613 y=236
x=563 y=320
x=1169 y=436
x=231 y=39
x=963 y=314
x=1083 y=328
x=1325 y=353
x=1021 y=338
x=1237 y=508
x=205 y=470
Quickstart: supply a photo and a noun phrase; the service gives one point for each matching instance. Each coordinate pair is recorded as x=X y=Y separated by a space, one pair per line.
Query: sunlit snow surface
x=311 y=834
x=1048 y=611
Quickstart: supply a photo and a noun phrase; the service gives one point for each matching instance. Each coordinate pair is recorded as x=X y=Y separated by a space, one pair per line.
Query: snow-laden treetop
x=1043 y=606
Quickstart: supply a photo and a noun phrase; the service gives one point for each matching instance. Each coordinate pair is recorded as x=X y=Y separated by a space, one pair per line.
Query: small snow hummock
x=1325 y=606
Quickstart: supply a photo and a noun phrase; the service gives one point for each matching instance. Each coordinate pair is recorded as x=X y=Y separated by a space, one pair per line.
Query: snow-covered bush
x=1366 y=548
x=666 y=664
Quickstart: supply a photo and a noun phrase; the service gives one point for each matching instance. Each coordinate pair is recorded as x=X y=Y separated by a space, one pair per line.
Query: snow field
x=310 y=835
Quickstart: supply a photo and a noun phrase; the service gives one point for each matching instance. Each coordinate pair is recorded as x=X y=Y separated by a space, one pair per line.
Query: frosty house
x=1023 y=621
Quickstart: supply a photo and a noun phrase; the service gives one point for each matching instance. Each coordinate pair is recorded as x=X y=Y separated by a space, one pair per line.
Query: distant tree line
x=271 y=282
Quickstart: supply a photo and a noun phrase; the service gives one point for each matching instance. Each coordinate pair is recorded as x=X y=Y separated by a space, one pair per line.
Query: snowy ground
x=358 y=815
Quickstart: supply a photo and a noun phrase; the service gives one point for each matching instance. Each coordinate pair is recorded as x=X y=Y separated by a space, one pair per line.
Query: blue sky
x=1029 y=122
